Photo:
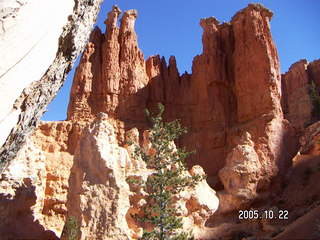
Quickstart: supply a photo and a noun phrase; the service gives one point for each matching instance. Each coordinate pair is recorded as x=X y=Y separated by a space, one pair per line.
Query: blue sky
x=171 y=27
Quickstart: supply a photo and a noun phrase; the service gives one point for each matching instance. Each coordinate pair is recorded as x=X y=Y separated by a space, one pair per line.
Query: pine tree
x=167 y=180
x=70 y=229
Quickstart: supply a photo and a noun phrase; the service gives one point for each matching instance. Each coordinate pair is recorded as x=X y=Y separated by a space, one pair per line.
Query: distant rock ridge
x=297 y=102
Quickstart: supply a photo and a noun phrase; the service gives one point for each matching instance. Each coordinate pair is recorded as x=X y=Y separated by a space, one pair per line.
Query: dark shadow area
x=16 y=219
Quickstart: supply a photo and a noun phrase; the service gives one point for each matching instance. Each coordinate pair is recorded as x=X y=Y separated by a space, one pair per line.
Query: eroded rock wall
x=40 y=41
x=33 y=190
x=300 y=85
x=102 y=200
x=78 y=169
x=98 y=195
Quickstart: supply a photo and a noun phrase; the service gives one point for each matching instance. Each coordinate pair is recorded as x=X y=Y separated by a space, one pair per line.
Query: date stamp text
x=266 y=214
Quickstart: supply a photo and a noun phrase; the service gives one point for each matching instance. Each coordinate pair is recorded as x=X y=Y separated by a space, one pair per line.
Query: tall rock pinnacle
x=116 y=71
x=257 y=83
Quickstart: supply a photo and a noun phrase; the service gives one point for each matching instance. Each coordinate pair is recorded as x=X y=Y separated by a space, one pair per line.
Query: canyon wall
x=230 y=104
x=40 y=41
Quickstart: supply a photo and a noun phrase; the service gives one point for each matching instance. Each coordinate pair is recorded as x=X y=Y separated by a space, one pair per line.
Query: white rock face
x=39 y=43
x=29 y=43
x=99 y=195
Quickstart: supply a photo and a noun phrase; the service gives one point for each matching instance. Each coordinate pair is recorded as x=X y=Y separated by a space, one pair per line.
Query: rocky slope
x=234 y=115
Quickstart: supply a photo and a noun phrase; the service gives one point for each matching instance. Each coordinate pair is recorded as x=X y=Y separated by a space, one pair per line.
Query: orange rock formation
x=224 y=97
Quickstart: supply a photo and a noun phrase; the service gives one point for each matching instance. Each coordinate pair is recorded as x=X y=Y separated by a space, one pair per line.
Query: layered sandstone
x=39 y=43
